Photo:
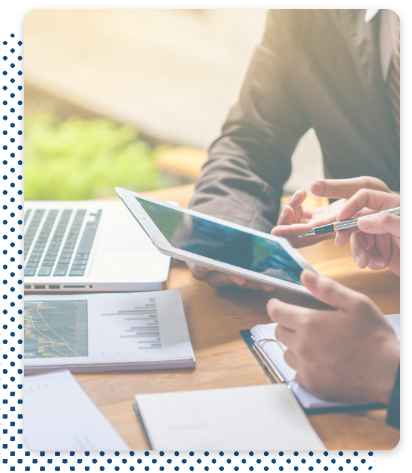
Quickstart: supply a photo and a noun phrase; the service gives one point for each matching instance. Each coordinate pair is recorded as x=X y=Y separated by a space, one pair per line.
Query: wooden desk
x=214 y=318
x=182 y=161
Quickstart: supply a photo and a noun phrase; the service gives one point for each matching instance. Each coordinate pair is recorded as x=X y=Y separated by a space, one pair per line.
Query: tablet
x=217 y=244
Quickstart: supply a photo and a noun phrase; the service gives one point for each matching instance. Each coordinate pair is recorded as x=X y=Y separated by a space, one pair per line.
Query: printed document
x=106 y=332
x=59 y=416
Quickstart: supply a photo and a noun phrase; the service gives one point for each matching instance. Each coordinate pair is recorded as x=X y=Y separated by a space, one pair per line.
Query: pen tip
x=306 y=234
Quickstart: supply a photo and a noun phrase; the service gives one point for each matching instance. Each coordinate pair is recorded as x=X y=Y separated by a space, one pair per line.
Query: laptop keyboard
x=32 y=230
x=68 y=263
x=27 y=215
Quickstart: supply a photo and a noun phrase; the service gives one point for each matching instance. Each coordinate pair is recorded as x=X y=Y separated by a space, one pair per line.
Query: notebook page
x=275 y=354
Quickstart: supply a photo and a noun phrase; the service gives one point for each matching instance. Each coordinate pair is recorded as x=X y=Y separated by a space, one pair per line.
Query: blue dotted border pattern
x=186 y=462
x=11 y=94
x=14 y=454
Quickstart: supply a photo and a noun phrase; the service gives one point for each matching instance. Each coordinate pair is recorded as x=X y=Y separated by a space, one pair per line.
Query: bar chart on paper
x=104 y=332
x=143 y=325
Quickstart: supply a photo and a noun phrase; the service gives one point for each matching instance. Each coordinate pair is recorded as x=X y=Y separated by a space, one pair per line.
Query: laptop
x=88 y=246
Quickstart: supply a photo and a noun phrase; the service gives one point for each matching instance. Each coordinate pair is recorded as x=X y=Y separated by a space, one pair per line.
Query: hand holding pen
x=377 y=243
x=339 y=226
x=376 y=247
x=297 y=218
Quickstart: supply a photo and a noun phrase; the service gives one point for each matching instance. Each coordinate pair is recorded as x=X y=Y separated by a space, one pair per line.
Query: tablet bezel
x=161 y=243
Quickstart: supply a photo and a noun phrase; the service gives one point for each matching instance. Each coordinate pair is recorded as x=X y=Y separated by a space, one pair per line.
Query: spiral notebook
x=269 y=352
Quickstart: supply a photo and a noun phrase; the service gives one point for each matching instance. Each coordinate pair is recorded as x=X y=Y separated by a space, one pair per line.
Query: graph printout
x=102 y=331
x=55 y=329
x=145 y=329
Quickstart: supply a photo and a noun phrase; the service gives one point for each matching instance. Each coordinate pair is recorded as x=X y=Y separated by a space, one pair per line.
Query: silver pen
x=345 y=224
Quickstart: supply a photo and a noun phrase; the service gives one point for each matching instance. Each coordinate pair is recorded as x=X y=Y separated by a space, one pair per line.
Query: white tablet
x=217 y=244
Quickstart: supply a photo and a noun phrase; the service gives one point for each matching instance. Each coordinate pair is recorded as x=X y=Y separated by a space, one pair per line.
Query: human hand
x=217 y=279
x=377 y=242
x=351 y=354
x=294 y=220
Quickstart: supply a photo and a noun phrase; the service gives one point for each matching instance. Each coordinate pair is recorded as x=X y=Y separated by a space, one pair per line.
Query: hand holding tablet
x=218 y=245
x=218 y=279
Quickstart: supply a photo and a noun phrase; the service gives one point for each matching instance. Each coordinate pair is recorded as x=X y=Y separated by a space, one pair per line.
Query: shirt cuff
x=393 y=417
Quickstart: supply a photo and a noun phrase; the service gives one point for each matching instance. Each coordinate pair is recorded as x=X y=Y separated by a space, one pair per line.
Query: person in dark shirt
x=337 y=71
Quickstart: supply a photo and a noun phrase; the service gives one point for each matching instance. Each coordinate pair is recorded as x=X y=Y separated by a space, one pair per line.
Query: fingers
x=214 y=278
x=291 y=230
x=296 y=204
x=286 y=336
x=292 y=210
x=297 y=229
x=297 y=199
x=293 y=223
x=365 y=253
x=198 y=272
x=218 y=279
x=343 y=237
x=328 y=291
x=330 y=212
x=292 y=233
x=291 y=359
x=287 y=315
x=286 y=216
x=305 y=216
x=381 y=223
x=376 y=255
x=345 y=188
x=257 y=286
x=360 y=242
x=371 y=199
x=380 y=258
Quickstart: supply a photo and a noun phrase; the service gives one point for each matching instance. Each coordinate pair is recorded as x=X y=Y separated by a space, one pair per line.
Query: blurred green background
x=171 y=74
x=81 y=158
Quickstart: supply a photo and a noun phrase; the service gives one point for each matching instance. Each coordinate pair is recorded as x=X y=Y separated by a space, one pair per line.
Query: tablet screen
x=223 y=243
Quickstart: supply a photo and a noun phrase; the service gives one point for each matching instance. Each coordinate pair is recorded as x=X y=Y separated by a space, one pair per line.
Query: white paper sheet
x=59 y=416
x=249 y=418
x=275 y=354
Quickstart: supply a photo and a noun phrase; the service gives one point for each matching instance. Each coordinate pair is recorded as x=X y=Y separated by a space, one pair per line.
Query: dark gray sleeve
x=248 y=164
x=394 y=409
